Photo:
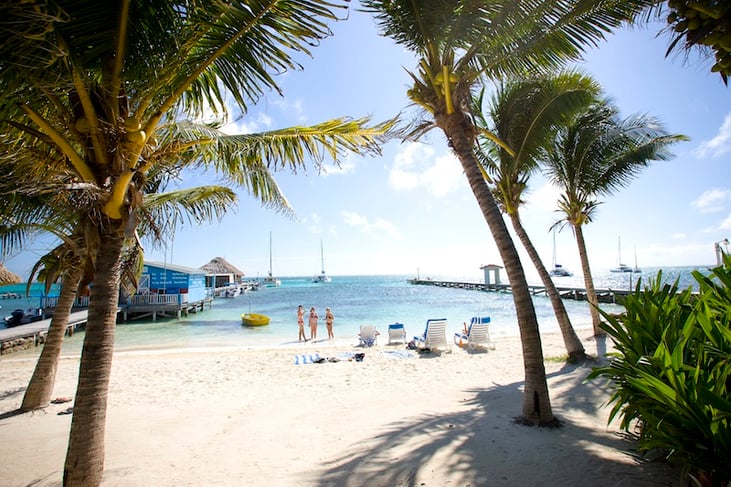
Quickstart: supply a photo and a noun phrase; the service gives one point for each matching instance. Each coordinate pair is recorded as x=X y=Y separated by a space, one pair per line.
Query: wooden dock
x=575 y=293
x=37 y=330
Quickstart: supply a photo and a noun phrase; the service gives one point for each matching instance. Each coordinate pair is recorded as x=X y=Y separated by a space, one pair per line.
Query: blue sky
x=411 y=210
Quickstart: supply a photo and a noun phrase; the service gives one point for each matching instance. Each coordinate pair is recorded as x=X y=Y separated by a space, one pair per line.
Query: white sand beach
x=225 y=417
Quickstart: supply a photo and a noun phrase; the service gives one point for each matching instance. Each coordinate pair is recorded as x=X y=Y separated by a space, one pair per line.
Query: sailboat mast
x=619 y=251
x=270 y=254
x=322 y=257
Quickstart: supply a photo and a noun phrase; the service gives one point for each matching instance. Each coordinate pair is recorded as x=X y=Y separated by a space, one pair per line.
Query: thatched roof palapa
x=219 y=265
x=7 y=277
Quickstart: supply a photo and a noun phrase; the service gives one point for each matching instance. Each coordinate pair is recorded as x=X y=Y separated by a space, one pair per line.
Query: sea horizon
x=355 y=300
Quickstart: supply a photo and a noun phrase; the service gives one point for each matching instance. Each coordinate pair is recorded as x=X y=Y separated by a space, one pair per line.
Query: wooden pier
x=156 y=306
x=34 y=333
x=575 y=293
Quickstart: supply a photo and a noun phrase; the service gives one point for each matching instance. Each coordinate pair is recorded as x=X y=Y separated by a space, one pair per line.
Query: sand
x=225 y=417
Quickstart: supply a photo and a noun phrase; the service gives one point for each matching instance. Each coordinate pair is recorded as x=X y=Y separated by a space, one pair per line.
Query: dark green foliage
x=705 y=24
x=671 y=372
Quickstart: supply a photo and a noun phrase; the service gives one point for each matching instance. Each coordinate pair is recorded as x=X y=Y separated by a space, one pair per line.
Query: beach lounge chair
x=477 y=334
x=367 y=336
x=396 y=333
x=435 y=335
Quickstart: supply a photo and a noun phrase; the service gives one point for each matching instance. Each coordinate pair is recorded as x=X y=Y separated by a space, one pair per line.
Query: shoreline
x=236 y=417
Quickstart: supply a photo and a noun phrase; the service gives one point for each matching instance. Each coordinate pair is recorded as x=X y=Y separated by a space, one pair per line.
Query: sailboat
x=270 y=280
x=322 y=277
x=558 y=270
x=620 y=266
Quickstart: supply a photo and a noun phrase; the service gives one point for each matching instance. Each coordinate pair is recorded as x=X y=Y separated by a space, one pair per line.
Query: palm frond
x=162 y=213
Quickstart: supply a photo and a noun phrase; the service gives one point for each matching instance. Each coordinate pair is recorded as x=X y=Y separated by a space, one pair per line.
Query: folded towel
x=306 y=358
x=399 y=354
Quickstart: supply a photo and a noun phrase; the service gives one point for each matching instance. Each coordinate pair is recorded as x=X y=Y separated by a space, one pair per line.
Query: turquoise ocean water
x=355 y=300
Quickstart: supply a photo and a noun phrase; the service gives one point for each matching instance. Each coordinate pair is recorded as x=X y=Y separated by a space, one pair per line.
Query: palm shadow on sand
x=484 y=446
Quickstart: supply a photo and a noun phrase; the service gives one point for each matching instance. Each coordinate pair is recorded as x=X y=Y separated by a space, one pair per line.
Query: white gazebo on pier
x=491 y=270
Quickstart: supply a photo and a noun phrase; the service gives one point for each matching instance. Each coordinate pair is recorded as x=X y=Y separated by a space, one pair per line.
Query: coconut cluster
x=133 y=131
x=705 y=23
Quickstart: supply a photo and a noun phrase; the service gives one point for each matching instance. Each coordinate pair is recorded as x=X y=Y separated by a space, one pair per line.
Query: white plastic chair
x=435 y=335
x=478 y=334
x=396 y=333
x=367 y=336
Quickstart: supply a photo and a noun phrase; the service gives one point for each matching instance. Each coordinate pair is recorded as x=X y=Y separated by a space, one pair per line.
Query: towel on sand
x=399 y=354
x=306 y=358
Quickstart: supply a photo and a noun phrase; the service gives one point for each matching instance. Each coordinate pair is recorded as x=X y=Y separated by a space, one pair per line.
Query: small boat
x=558 y=270
x=270 y=280
x=624 y=267
x=323 y=277
x=21 y=317
x=254 y=319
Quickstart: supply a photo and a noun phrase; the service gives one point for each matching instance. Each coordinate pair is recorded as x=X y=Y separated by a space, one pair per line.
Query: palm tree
x=459 y=43
x=85 y=94
x=703 y=27
x=68 y=263
x=525 y=114
x=595 y=155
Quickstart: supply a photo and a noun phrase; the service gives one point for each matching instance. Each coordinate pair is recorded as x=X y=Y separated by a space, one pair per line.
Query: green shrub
x=671 y=372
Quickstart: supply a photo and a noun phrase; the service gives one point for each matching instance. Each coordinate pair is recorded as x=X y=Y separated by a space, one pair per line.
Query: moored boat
x=559 y=271
x=254 y=319
x=270 y=280
x=22 y=317
x=624 y=267
x=323 y=277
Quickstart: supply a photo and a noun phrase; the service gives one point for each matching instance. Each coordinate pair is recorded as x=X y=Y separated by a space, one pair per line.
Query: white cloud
x=678 y=236
x=545 y=198
x=726 y=223
x=379 y=226
x=718 y=145
x=294 y=109
x=712 y=200
x=415 y=166
x=261 y=122
x=346 y=166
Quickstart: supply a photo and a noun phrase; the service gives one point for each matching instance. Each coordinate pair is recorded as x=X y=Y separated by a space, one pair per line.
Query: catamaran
x=558 y=270
x=323 y=277
x=624 y=267
x=270 y=280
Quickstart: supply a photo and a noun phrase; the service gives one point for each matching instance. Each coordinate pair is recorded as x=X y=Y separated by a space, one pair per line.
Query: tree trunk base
x=552 y=424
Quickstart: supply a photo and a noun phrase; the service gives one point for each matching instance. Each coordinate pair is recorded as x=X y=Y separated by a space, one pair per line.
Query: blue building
x=167 y=290
x=159 y=278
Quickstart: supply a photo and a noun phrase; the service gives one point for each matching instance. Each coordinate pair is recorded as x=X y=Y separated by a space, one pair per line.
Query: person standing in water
x=301 y=323
x=313 y=324
x=329 y=318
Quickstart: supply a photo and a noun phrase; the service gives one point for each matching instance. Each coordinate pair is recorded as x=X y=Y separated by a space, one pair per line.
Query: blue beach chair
x=435 y=335
x=477 y=334
x=396 y=333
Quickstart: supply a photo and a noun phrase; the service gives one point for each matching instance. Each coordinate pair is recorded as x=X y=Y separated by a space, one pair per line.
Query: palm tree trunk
x=40 y=387
x=536 y=401
x=574 y=347
x=85 y=455
x=591 y=296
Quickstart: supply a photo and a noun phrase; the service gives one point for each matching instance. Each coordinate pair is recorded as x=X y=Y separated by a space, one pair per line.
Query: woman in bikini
x=329 y=318
x=301 y=322
x=313 y=324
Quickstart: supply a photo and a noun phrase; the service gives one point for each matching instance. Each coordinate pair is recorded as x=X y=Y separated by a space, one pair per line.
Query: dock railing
x=51 y=302
x=157 y=299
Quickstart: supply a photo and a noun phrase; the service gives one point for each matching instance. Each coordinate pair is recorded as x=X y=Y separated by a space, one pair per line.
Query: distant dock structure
x=23 y=337
x=492 y=284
